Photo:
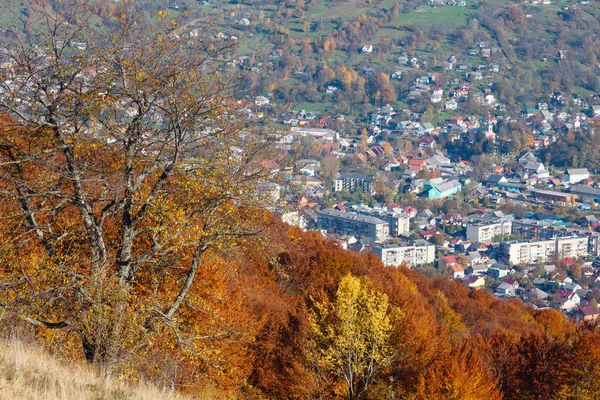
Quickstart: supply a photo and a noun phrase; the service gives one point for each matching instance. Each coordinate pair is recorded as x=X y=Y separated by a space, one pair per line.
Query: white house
x=505 y=289
x=451 y=105
x=261 y=101
x=566 y=300
x=367 y=48
x=458 y=272
x=575 y=175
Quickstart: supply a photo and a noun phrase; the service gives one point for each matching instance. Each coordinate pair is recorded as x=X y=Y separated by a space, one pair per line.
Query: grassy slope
x=26 y=372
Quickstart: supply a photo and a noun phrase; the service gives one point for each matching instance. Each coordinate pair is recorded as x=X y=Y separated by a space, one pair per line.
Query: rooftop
x=350 y=216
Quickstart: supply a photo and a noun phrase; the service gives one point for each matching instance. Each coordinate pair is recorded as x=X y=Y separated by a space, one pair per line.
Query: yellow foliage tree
x=352 y=335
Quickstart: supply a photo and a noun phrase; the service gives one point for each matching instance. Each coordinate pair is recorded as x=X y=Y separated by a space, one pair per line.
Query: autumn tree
x=352 y=335
x=330 y=166
x=127 y=172
x=363 y=142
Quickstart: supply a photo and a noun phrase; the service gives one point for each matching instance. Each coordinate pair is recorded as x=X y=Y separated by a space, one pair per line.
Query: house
x=443 y=190
x=587 y=313
x=499 y=270
x=367 y=48
x=474 y=282
x=261 y=101
x=447 y=261
x=417 y=164
x=458 y=272
x=504 y=289
x=456 y=120
x=427 y=143
x=494 y=180
x=565 y=300
x=478 y=269
x=476 y=257
x=462 y=91
x=451 y=105
x=510 y=281
x=575 y=175
x=537 y=168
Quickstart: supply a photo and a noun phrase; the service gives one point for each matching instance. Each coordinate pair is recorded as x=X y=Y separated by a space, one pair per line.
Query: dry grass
x=28 y=373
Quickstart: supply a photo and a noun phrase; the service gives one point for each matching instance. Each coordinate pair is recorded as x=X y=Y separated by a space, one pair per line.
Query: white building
x=294 y=218
x=572 y=247
x=261 y=101
x=486 y=231
x=543 y=251
x=451 y=105
x=575 y=175
x=395 y=255
x=352 y=183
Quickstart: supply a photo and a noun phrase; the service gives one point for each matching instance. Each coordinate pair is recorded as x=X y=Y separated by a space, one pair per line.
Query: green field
x=445 y=16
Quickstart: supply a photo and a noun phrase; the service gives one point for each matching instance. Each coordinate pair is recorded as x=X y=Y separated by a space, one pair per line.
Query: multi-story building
x=399 y=222
x=572 y=247
x=535 y=251
x=394 y=255
x=348 y=223
x=543 y=251
x=352 y=183
x=485 y=231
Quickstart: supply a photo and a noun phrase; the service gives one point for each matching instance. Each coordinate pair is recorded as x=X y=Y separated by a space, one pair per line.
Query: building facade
x=486 y=231
x=348 y=223
x=575 y=175
x=443 y=190
x=399 y=224
x=556 y=197
x=413 y=255
x=352 y=183
x=543 y=251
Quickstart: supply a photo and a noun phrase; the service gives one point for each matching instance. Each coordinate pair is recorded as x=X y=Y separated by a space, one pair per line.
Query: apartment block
x=414 y=255
x=572 y=247
x=399 y=222
x=486 y=231
x=543 y=251
x=349 y=223
x=352 y=183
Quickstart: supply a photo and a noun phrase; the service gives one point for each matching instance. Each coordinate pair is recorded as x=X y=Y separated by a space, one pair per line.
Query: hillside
x=520 y=52
x=28 y=372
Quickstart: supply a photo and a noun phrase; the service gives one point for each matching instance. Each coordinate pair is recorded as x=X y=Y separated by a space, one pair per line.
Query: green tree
x=352 y=336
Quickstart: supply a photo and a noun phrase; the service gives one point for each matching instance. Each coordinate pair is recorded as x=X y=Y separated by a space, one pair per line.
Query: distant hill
x=520 y=51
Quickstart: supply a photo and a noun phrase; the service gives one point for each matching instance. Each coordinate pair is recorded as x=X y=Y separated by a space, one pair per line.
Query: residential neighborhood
x=515 y=226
